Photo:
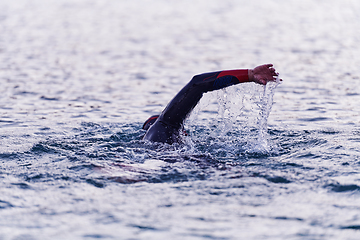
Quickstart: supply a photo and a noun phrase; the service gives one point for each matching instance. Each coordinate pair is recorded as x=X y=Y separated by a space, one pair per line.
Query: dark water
x=78 y=78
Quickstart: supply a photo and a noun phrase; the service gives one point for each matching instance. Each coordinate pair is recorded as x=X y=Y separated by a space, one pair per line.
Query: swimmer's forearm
x=261 y=74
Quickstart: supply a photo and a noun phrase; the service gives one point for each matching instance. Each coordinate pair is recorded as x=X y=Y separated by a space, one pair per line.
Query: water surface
x=79 y=78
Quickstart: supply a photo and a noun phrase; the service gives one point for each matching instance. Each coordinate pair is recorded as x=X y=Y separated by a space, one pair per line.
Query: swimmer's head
x=150 y=122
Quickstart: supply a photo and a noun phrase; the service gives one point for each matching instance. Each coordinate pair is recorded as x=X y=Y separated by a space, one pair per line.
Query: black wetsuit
x=166 y=128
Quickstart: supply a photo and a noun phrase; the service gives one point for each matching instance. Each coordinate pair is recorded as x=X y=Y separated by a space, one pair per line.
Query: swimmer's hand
x=263 y=74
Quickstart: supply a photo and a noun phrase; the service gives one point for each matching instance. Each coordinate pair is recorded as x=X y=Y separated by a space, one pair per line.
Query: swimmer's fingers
x=273 y=71
x=274 y=74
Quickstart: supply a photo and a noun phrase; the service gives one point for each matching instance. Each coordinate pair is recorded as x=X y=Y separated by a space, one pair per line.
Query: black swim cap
x=150 y=122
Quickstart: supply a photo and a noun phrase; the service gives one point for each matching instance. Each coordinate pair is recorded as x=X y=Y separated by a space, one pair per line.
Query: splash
x=245 y=110
x=265 y=105
x=233 y=120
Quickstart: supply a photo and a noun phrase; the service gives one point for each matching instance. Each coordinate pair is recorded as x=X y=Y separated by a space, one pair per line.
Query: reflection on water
x=78 y=78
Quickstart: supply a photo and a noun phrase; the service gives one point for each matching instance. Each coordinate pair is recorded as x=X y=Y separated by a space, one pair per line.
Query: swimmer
x=168 y=126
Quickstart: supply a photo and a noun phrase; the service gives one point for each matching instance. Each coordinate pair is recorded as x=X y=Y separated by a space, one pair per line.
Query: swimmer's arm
x=182 y=104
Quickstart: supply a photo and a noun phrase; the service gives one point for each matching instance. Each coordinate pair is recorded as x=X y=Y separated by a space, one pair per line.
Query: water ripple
x=78 y=78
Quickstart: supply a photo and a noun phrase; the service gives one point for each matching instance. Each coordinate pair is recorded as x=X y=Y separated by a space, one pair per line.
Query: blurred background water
x=79 y=78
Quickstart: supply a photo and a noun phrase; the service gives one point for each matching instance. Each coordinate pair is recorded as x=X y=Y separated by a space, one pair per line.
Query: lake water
x=79 y=78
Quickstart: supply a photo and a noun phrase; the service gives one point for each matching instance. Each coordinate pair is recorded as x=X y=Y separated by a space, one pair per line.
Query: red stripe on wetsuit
x=242 y=75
